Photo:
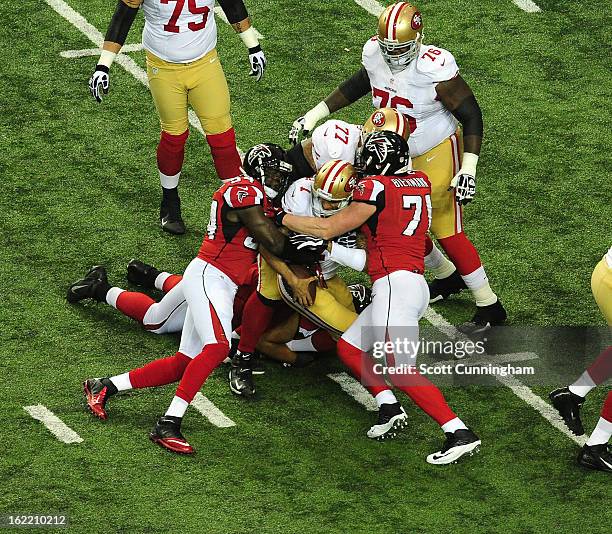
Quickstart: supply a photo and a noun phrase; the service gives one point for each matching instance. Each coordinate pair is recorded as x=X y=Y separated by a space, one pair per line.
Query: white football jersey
x=298 y=201
x=335 y=140
x=413 y=92
x=179 y=31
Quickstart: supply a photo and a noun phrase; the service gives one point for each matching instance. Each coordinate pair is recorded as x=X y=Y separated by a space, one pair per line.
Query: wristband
x=106 y=58
x=355 y=258
x=320 y=111
x=468 y=163
x=249 y=38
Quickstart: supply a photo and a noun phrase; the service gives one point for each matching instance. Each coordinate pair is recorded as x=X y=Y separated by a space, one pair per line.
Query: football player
x=237 y=223
x=568 y=400
x=423 y=83
x=184 y=70
x=392 y=206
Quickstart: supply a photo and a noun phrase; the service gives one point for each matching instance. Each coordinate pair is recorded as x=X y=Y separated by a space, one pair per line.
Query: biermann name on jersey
x=409 y=182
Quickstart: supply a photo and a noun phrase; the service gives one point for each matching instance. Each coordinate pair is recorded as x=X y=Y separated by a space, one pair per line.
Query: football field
x=80 y=188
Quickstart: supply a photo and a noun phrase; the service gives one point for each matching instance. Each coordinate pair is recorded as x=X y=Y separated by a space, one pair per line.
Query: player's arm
x=348 y=250
x=351 y=217
x=346 y=93
x=458 y=98
x=116 y=34
x=239 y=19
x=298 y=285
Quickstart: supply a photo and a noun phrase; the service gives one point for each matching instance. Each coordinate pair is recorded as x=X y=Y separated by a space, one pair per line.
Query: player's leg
x=447 y=281
x=210 y=99
x=166 y=81
x=273 y=343
x=595 y=454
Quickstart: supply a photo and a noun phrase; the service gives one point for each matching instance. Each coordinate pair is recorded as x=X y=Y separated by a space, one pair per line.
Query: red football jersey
x=228 y=245
x=396 y=231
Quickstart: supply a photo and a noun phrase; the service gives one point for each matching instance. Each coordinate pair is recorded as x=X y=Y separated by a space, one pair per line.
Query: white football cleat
x=391 y=419
x=457 y=444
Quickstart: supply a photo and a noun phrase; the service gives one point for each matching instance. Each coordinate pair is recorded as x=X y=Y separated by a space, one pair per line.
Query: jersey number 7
x=415 y=202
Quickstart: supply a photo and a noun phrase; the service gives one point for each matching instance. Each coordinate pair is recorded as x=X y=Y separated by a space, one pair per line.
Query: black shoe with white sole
x=596 y=457
x=568 y=405
x=391 y=419
x=485 y=318
x=457 y=444
x=442 y=288
x=170 y=217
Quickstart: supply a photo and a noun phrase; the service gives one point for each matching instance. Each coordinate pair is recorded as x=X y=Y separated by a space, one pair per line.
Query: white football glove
x=258 y=62
x=100 y=78
x=304 y=125
x=464 y=182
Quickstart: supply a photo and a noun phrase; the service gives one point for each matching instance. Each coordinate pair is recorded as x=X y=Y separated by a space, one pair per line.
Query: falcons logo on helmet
x=258 y=153
x=380 y=146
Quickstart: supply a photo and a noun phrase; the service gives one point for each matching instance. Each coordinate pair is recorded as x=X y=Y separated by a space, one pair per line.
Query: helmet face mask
x=333 y=186
x=268 y=164
x=400 y=35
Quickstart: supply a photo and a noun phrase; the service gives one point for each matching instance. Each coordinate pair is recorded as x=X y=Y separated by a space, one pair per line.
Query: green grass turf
x=80 y=187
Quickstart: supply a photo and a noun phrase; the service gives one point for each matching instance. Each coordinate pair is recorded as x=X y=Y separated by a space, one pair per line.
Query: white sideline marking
x=211 y=412
x=96 y=51
x=221 y=15
x=355 y=390
x=527 y=5
x=55 y=425
x=494 y=360
x=443 y=325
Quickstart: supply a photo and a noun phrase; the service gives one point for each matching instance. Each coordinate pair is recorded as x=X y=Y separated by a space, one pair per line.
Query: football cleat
x=97 y=391
x=167 y=434
x=485 y=318
x=442 y=288
x=391 y=419
x=257 y=365
x=89 y=286
x=241 y=375
x=596 y=457
x=142 y=274
x=457 y=444
x=568 y=405
x=170 y=218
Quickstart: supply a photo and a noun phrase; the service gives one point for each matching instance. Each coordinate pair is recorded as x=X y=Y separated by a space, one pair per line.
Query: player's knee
x=219 y=127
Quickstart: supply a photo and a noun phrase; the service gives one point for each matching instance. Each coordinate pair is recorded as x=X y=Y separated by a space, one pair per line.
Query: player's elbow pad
x=234 y=10
x=355 y=258
x=121 y=23
x=469 y=115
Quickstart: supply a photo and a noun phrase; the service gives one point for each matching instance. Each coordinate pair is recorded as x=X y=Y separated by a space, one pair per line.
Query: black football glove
x=348 y=240
x=304 y=249
x=100 y=78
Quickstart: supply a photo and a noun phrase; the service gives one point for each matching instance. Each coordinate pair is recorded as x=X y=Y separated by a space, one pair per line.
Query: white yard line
x=53 y=423
x=71 y=54
x=527 y=5
x=355 y=389
x=211 y=412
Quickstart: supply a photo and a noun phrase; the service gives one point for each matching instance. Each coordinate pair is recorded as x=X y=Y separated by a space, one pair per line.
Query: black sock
x=111 y=389
x=170 y=196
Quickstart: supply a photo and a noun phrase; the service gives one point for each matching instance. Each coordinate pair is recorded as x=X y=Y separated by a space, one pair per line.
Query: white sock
x=122 y=382
x=601 y=434
x=235 y=335
x=301 y=345
x=454 y=424
x=178 y=407
x=169 y=182
x=113 y=295
x=438 y=263
x=583 y=385
x=160 y=280
x=385 y=397
x=478 y=283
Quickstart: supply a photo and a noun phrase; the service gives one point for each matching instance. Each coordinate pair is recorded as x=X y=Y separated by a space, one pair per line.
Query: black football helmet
x=268 y=163
x=362 y=296
x=383 y=153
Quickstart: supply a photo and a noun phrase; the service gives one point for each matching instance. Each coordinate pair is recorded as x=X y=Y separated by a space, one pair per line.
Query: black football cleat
x=97 y=391
x=89 y=287
x=170 y=218
x=257 y=365
x=391 y=419
x=568 y=405
x=485 y=318
x=167 y=434
x=241 y=375
x=442 y=288
x=457 y=444
x=142 y=274
x=596 y=457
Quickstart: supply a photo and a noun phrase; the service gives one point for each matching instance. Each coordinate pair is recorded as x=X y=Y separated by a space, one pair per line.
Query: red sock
x=134 y=305
x=428 y=245
x=199 y=370
x=171 y=153
x=256 y=315
x=160 y=372
x=461 y=252
x=425 y=395
x=322 y=341
x=362 y=367
x=606 y=411
x=225 y=154
x=601 y=369
x=170 y=282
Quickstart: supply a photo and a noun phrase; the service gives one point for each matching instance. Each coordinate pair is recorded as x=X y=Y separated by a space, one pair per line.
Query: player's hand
x=465 y=187
x=308 y=249
x=348 y=240
x=258 y=62
x=99 y=79
x=296 y=129
x=304 y=125
x=301 y=294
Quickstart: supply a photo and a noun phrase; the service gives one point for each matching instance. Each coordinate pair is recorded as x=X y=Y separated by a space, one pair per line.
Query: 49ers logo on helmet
x=350 y=184
x=417 y=21
x=378 y=119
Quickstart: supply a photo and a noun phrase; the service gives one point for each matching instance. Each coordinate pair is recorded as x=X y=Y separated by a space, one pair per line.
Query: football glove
x=464 y=182
x=308 y=242
x=100 y=78
x=258 y=62
x=304 y=125
x=348 y=240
